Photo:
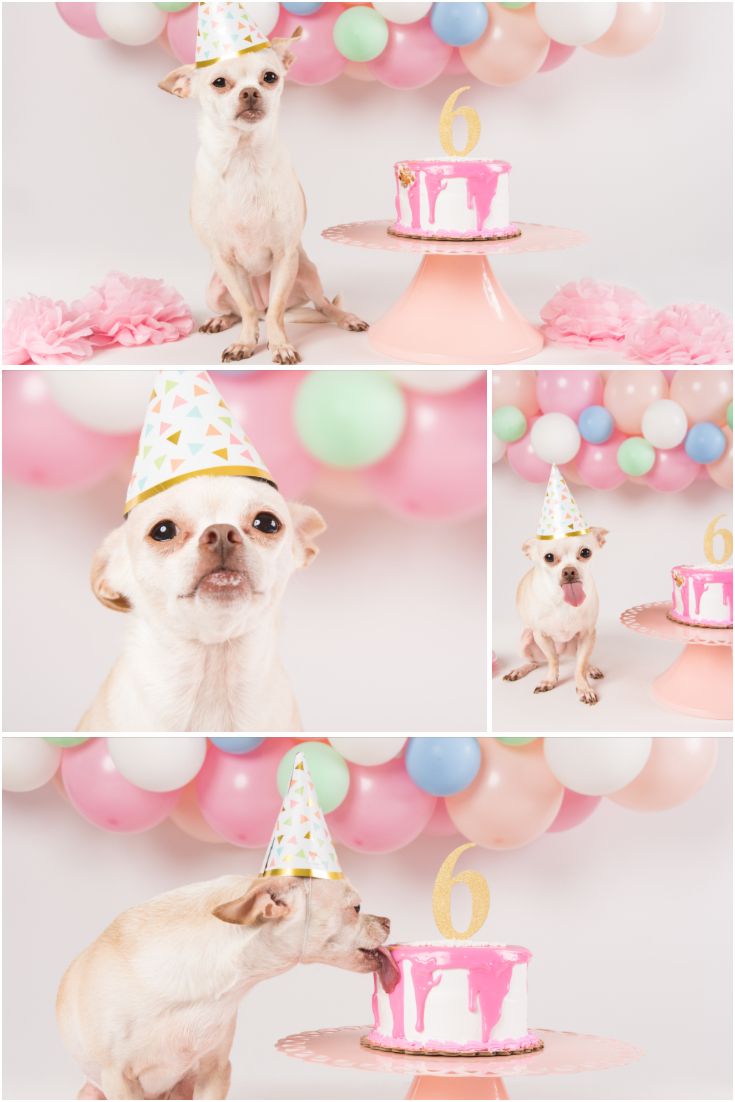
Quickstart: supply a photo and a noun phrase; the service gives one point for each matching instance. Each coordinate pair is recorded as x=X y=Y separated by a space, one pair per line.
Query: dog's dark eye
x=357 y=908
x=548 y=557
x=585 y=553
x=267 y=523
x=219 y=82
x=164 y=530
x=270 y=77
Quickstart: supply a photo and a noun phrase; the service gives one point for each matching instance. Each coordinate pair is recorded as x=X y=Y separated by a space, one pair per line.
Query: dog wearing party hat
x=199 y=566
x=149 y=1009
x=248 y=207
x=557 y=598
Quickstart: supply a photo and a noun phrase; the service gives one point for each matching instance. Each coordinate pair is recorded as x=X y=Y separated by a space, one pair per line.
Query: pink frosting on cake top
x=701 y=579
x=482 y=183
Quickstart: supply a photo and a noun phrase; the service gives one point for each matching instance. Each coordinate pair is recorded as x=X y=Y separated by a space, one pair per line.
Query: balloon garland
x=401 y=45
x=379 y=794
x=666 y=428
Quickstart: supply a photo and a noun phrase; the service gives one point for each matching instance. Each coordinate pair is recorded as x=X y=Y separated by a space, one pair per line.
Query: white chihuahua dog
x=201 y=568
x=149 y=1009
x=248 y=207
x=558 y=604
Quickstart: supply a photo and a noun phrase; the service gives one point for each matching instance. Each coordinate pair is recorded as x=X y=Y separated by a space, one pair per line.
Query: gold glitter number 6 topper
x=710 y=535
x=441 y=899
x=446 y=124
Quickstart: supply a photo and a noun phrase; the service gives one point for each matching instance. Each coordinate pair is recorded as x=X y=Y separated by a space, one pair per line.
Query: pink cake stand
x=700 y=680
x=460 y=1076
x=454 y=310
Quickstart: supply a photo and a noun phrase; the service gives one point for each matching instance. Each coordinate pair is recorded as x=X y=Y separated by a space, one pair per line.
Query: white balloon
x=265 y=14
x=403 y=13
x=499 y=447
x=664 y=424
x=158 y=763
x=106 y=401
x=597 y=766
x=28 y=763
x=436 y=382
x=575 y=24
x=368 y=751
x=555 y=438
x=134 y=24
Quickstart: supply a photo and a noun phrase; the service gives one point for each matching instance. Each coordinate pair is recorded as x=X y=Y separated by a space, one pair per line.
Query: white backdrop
x=628 y=917
x=634 y=151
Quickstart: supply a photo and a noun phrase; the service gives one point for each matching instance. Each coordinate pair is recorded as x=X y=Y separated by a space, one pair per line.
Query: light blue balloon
x=459 y=24
x=443 y=766
x=302 y=9
x=596 y=424
x=234 y=744
x=705 y=442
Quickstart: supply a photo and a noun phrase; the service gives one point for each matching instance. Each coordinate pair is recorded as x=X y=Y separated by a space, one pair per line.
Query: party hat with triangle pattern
x=188 y=431
x=560 y=515
x=301 y=844
x=225 y=30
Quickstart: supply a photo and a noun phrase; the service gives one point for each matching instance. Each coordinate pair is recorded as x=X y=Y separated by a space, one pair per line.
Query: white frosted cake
x=702 y=596
x=453 y=998
x=455 y=199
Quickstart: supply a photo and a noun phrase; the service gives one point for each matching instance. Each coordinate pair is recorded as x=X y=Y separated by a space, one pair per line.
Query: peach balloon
x=515 y=388
x=628 y=394
x=703 y=394
x=634 y=26
x=513 y=799
x=512 y=48
x=189 y=818
x=721 y=470
x=675 y=770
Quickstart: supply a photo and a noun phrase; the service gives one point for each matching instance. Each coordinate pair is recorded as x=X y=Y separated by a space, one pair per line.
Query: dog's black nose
x=250 y=96
x=569 y=574
x=219 y=537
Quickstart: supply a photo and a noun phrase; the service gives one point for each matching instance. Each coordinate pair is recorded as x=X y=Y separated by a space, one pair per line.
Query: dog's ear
x=281 y=46
x=178 y=81
x=261 y=903
x=599 y=534
x=527 y=548
x=107 y=573
x=308 y=524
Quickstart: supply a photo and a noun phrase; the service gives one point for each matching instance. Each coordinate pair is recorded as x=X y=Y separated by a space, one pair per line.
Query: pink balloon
x=523 y=458
x=557 y=55
x=82 y=18
x=383 y=810
x=317 y=58
x=42 y=446
x=628 y=394
x=438 y=469
x=440 y=825
x=413 y=57
x=455 y=66
x=635 y=25
x=597 y=464
x=104 y=797
x=237 y=793
x=189 y=819
x=672 y=470
x=568 y=391
x=703 y=395
x=263 y=403
x=512 y=48
x=675 y=770
x=181 y=32
x=515 y=388
x=721 y=470
x=513 y=799
x=575 y=808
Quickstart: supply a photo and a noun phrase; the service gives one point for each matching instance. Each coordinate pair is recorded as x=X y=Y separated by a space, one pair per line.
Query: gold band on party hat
x=242 y=472
x=318 y=874
x=586 y=532
x=239 y=53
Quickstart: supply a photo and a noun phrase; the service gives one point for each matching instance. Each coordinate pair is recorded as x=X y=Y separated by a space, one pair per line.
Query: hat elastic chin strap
x=307 y=920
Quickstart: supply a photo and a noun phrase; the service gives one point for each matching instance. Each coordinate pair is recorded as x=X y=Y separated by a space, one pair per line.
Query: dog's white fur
x=149 y=1009
x=200 y=653
x=248 y=207
x=550 y=623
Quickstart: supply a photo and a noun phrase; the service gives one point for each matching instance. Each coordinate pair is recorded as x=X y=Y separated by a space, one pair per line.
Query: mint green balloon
x=328 y=769
x=172 y=7
x=349 y=418
x=515 y=7
x=517 y=741
x=729 y=414
x=636 y=456
x=509 y=423
x=67 y=741
x=360 y=34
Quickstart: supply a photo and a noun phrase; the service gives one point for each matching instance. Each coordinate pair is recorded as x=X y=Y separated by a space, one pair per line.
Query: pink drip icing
x=482 y=184
x=375 y=1000
x=396 y=1002
x=423 y=981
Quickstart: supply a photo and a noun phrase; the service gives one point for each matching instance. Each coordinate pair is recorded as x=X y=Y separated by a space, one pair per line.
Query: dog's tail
x=309 y=315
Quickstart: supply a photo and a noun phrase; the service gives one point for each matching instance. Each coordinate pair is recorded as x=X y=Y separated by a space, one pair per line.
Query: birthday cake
x=453 y=998
x=702 y=596
x=456 y=199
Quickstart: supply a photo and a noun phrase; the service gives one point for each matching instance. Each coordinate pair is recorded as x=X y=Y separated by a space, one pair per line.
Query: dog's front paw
x=595 y=672
x=544 y=686
x=235 y=352
x=284 y=354
x=353 y=323
x=587 y=696
x=219 y=324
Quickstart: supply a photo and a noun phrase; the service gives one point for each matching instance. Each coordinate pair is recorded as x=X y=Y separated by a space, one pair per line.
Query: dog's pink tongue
x=388 y=973
x=573 y=593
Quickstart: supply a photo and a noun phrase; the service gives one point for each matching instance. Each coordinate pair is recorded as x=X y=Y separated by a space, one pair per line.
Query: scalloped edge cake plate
x=443 y=1052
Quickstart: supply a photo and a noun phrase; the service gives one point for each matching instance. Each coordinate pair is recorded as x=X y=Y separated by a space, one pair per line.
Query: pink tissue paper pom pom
x=133 y=310
x=688 y=333
x=591 y=314
x=40 y=331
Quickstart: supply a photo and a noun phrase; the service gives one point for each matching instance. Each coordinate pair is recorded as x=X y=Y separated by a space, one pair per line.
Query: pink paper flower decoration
x=588 y=314
x=132 y=310
x=40 y=331
x=690 y=333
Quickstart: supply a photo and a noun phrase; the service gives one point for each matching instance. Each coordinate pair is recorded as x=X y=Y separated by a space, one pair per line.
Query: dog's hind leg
x=117 y=1084
x=546 y=645
x=90 y=1091
x=221 y=302
x=309 y=281
x=528 y=650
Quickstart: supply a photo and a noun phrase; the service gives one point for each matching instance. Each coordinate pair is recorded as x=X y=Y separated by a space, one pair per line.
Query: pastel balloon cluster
x=665 y=428
x=379 y=794
x=402 y=45
x=411 y=441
